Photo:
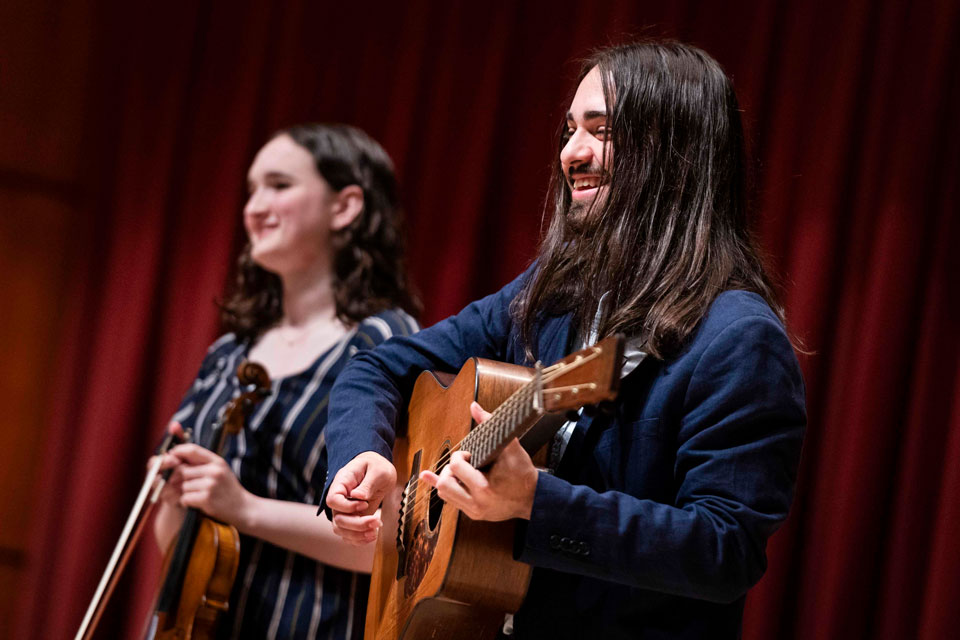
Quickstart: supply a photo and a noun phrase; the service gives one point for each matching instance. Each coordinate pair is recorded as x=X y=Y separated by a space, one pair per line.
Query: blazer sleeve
x=737 y=452
x=371 y=392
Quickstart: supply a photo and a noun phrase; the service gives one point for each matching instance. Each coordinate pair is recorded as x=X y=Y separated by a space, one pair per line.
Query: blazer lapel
x=554 y=339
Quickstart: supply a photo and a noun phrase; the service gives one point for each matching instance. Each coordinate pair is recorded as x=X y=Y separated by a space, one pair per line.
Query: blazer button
x=584 y=549
x=554 y=542
x=566 y=544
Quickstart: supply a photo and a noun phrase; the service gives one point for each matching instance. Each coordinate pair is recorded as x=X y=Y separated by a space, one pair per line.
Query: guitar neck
x=587 y=376
x=510 y=420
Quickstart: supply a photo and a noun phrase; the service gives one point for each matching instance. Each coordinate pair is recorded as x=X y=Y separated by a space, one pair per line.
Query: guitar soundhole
x=423 y=540
x=421 y=552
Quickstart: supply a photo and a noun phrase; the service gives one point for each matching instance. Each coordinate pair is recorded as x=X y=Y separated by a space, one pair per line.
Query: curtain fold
x=850 y=112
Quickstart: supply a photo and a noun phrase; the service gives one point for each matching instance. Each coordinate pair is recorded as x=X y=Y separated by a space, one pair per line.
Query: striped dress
x=280 y=454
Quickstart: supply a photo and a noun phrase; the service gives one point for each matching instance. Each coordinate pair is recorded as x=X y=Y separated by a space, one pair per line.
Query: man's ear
x=348 y=205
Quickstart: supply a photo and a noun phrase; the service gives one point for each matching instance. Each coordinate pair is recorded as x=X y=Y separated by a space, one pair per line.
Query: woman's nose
x=256 y=203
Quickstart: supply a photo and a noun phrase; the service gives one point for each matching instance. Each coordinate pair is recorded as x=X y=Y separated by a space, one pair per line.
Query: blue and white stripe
x=280 y=454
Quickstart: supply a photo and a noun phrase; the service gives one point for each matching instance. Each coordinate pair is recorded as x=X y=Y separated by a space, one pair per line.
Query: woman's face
x=291 y=209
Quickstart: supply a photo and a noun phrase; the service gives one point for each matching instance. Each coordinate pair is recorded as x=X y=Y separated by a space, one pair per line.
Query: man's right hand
x=355 y=496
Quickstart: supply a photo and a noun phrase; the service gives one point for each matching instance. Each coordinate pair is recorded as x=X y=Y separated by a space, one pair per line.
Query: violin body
x=201 y=564
x=205 y=592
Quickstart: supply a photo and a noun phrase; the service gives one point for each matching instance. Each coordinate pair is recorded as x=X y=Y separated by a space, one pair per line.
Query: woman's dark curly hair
x=369 y=273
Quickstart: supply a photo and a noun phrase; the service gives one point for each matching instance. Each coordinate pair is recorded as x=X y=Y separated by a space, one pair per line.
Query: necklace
x=292 y=336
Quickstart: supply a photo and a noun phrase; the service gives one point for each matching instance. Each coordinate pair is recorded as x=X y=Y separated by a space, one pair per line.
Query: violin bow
x=132 y=530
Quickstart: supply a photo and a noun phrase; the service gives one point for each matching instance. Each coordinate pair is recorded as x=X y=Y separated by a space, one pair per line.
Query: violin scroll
x=252 y=373
x=255 y=378
x=202 y=565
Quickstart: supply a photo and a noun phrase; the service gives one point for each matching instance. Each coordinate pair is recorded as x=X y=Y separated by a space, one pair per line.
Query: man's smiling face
x=586 y=157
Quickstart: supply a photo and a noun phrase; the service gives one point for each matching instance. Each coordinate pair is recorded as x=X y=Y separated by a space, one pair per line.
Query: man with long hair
x=652 y=520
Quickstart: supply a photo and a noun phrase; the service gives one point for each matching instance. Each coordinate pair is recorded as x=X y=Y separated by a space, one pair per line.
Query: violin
x=200 y=568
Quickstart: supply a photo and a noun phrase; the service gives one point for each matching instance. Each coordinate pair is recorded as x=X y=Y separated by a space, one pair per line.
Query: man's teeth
x=586 y=183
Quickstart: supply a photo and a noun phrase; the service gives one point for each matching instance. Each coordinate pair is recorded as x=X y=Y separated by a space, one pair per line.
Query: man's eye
x=280 y=186
x=602 y=132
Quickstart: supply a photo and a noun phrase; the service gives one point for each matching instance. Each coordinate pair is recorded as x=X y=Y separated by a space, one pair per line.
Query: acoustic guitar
x=438 y=574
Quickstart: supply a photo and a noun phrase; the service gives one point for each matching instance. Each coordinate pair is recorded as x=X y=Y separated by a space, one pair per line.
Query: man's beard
x=583 y=217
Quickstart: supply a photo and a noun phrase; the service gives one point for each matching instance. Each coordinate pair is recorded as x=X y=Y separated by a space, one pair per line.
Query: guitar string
x=547 y=375
x=514 y=401
x=498 y=420
x=497 y=417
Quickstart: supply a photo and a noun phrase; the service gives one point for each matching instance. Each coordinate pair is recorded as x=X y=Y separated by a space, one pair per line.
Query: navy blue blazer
x=655 y=522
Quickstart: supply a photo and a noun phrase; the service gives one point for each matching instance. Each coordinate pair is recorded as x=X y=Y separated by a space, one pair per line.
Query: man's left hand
x=504 y=491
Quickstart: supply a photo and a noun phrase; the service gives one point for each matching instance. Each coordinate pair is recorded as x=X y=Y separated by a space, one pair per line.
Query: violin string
x=238 y=407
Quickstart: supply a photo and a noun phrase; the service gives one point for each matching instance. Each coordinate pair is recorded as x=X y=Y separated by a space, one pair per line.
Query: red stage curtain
x=851 y=112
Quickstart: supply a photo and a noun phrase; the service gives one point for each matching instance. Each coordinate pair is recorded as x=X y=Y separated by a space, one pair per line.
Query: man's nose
x=576 y=152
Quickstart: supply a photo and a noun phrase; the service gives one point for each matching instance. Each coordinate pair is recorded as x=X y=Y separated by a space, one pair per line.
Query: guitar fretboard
x=509 y=421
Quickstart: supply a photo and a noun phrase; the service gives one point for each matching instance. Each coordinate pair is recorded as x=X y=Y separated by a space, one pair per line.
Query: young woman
x=321 y=278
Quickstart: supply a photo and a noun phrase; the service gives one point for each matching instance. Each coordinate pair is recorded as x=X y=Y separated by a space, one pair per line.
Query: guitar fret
x=422 y=524
x=503 y=423
x=484 y=440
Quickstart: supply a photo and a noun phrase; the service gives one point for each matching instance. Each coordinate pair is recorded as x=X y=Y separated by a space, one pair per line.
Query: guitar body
x=451 y=573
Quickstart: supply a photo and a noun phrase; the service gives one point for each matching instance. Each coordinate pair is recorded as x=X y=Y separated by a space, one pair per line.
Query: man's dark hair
x=672 y=232
x=369 y=273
